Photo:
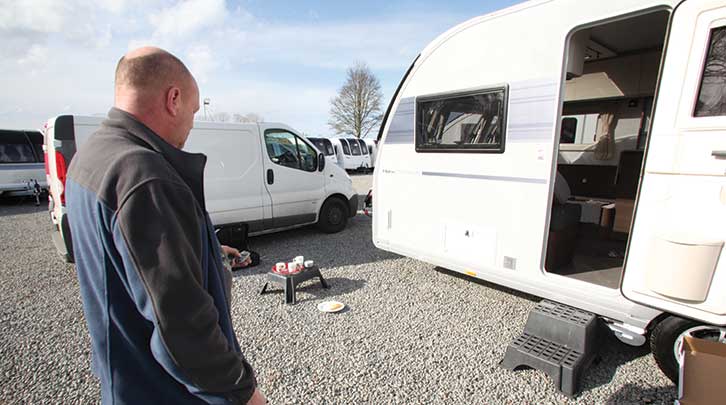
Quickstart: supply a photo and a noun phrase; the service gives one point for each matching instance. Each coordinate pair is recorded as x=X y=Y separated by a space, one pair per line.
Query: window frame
x=468 y=148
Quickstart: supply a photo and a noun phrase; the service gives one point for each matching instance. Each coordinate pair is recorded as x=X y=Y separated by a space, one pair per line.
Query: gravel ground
x=410 y=333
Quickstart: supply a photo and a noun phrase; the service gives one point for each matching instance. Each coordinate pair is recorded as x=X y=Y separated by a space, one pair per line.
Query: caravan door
x=676 y=260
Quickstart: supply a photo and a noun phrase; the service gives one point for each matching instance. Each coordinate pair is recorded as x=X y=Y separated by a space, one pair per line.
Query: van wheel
x=333 y=216
x=667 y=338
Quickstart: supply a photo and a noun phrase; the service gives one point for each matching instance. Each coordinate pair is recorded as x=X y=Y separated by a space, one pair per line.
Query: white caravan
x=326 y=148
x=372 y=150
x=351 y=153
x=21 y=162
x=479 y=129
x=365 y=154
x=264 y=175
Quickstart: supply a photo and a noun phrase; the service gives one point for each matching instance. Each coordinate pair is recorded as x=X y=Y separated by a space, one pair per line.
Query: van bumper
x=353 y=205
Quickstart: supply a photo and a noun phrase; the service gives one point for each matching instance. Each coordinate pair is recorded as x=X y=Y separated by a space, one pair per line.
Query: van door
x=676 y=260
x=295 y=185
x=233 y=182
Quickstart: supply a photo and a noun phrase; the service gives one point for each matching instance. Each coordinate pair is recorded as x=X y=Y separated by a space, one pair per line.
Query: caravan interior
x=605 y=115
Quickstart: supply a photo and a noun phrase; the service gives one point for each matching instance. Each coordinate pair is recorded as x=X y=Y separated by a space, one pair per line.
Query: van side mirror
x=321 y=162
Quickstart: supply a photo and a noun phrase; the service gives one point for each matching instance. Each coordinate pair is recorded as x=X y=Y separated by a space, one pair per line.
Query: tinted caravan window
x=346 y=149
x=15 y=148
x=463 y=122
x=363 y=146
x=323 y=145
x=354 y=147
x=36 y=141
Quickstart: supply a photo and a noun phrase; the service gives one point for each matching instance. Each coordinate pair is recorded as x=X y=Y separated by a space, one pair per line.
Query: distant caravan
x=355 y=156
x=576 y=151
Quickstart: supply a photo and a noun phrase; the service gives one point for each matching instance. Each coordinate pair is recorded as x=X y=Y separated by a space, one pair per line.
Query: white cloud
x=201 y=62
x=59 y=56
x=188 y=18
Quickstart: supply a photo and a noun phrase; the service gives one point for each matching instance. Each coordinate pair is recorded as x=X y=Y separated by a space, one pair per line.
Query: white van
x=483 y=121
x=21 y=162
x=264 y=175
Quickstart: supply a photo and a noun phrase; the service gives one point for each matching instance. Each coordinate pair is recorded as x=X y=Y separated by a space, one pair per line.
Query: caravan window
x=354 y=147
x=346 y=149
x=15 y=148
x=323 y=145
x=363 y=146
x=712 y=94
x=465 y=122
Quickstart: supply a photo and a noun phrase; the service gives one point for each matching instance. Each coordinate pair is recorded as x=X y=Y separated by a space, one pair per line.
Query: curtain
x=605 y=137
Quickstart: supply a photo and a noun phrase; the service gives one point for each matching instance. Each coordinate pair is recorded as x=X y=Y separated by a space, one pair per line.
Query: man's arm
x=160 y=236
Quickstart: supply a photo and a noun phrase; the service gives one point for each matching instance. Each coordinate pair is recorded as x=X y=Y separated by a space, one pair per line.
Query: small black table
x=291 y=281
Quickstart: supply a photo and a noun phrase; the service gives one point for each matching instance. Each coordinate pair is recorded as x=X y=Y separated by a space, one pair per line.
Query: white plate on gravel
x=330 y=306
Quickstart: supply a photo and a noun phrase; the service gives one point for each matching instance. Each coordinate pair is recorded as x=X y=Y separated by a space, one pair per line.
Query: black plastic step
x=559 y=340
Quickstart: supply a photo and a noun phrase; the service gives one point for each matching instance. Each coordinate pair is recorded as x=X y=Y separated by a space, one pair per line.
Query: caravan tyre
x=667 y=338
x=333 y=216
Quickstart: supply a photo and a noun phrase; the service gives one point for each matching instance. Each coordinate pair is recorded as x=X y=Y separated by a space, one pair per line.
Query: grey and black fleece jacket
x=149 y=267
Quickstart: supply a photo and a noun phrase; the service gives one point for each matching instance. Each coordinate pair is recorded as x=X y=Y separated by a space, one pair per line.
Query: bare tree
x=356 y=110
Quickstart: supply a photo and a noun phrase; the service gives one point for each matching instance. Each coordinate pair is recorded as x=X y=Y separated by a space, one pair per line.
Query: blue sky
x=283 y=60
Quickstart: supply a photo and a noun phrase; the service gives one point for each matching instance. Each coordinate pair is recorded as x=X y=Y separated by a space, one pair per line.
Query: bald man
x=155 y=292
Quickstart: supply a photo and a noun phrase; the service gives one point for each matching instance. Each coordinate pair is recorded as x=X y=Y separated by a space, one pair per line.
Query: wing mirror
x=321 y=162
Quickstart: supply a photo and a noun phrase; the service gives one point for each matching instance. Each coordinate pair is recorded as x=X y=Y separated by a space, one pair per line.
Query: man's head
x=155 y=87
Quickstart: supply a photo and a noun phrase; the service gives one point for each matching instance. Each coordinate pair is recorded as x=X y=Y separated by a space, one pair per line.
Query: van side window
x=287 y=149
x=15 y=148
x=308 y=156
x=712 y=94
x=465 y=122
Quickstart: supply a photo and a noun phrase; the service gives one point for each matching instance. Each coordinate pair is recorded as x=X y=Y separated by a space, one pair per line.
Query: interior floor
x=598 y=257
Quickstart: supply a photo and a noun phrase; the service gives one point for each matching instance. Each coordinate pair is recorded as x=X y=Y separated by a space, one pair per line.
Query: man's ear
x=173 y=100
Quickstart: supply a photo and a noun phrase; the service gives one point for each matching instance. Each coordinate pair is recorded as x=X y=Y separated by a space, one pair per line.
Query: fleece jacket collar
x=190 y=166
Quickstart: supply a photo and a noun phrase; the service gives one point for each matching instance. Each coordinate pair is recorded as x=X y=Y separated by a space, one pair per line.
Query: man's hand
x=257 y=398
x=230 y=251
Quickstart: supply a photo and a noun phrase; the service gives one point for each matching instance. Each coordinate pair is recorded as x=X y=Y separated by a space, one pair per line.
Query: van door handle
x=719 y=154
x=270 y=176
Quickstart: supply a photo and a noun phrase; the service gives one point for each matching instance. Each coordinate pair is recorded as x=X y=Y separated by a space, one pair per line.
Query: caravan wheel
x=667 y=339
